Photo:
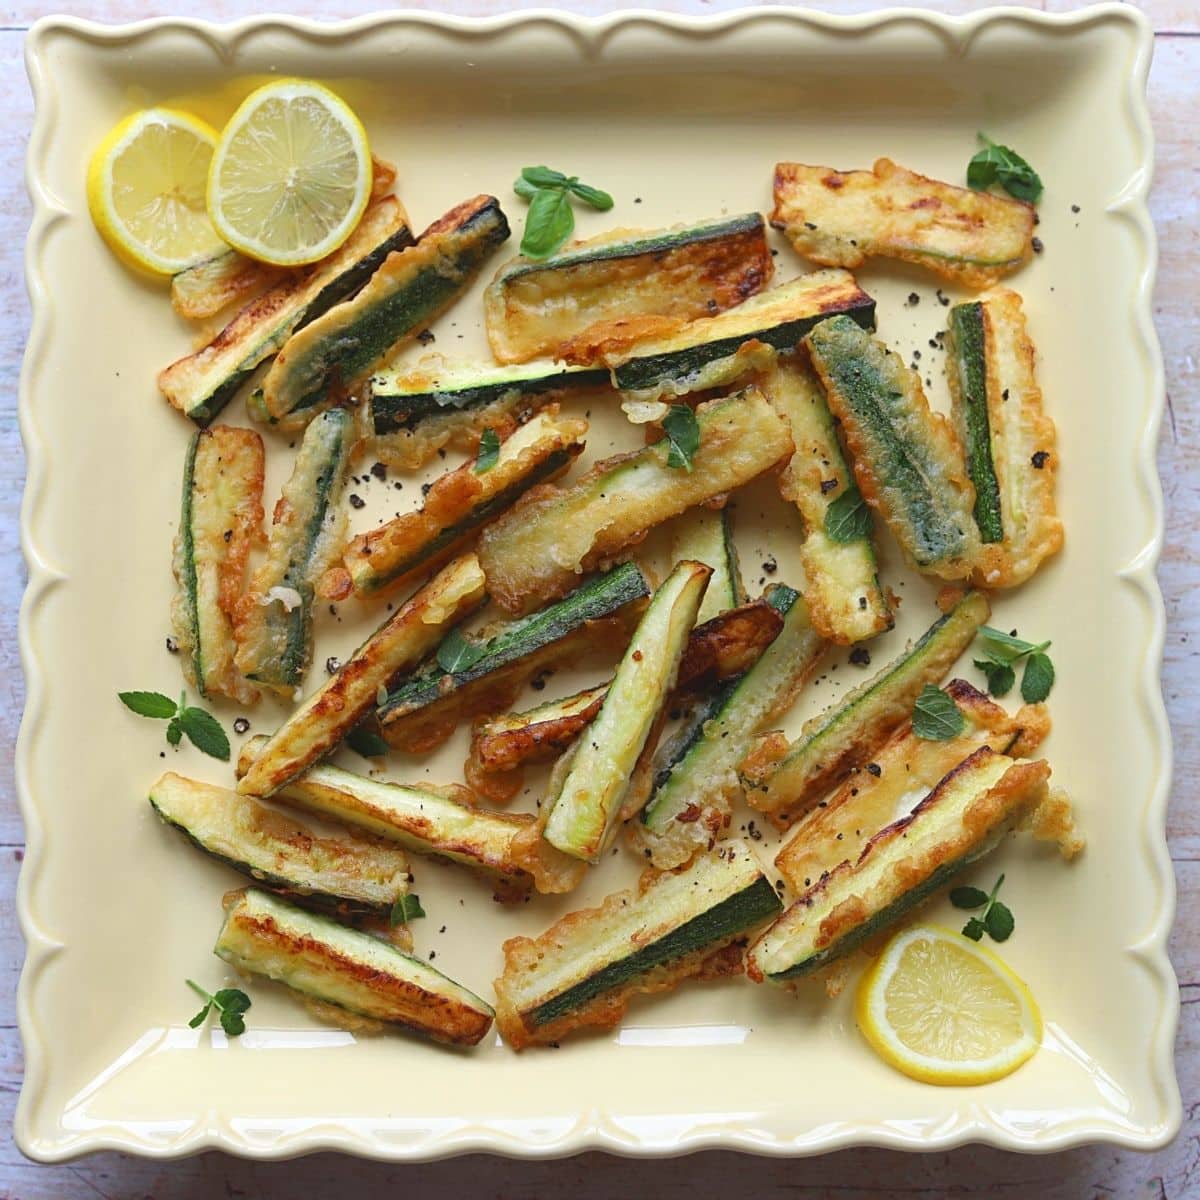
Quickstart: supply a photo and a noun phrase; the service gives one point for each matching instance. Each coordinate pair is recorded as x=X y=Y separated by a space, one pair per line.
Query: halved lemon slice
x=146 y=191
x=944 y=1010
x=291 y=174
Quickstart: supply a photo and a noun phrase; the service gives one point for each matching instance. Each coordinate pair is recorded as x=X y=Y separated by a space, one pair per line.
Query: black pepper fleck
x=874 y=769
x=1074 y=207
x=827 y=486
x=241 y=725
x=172 y=645
x=770 y=565
x=333 y=664
x=357 y=501
x=942 y=299
x=913 y=300
x=379 y=470
x=860 y=656
x=425 y=337
x=1039 y=459
x=426 y=488
x=1037 y=244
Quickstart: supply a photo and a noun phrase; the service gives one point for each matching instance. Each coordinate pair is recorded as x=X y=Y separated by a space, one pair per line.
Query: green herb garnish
x=489 y=451
x=683 y=432
x=996 y=164
x=936 y=717
x=230 y=1003
x=203 y=730
x=457 y=653
x=848 y=519
x=365 y=742
x=551 y=220
x=1003 y=651
x=996 y=918
x=407 y=908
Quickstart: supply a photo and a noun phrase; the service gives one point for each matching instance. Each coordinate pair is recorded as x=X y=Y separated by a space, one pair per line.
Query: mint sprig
x=230 y=1004
x=683 y=434
x=551 y=220
x=996 y=920
x=201 y=728
x=407 y=908
x=936 y=718
x=1002 y=652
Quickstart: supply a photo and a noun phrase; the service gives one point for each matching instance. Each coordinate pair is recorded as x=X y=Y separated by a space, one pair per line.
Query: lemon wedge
x=944 y=1010
x=146 y=191
x=291 y=174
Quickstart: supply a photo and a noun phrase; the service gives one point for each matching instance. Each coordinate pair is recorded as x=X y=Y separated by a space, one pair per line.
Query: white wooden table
x=1172 y=1173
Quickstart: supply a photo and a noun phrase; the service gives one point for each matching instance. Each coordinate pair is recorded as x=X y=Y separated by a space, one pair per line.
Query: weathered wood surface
x=1171 y=1173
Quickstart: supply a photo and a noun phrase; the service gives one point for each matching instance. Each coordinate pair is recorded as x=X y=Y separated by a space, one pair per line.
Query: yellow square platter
x=678 y=119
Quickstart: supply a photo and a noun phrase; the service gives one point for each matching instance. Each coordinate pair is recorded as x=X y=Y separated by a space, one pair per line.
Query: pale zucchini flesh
x=848 y=733
x=587 y=966
x=537 y=308
x=842 y=218
x=1008 y=439
x=537 y=550
x=335 y=355
x=204 y=289
x=697 y=780
x=348 y=874
x=345 y=967
x=907 y=461
x=456 y=506
x=274 y=628
x=220 y=519
x=706 y=536
x=964 y=818
x=845 y=599
x=317 y=727
x=505 y=846
x=590 y=793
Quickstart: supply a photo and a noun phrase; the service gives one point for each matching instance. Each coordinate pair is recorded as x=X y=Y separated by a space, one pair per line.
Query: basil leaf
x=589 y=195
x=524 y=188
x=544 y=177
x=456 y=653
x=848 y=519
x=148 y=704
x=549 y=223
x=999 y=921
x=1038 y=678
x=936 y=717
x=996 y=164
x=205 y=733
x=363 y=741
x=683 y=432
x=968 y=897
x=407 y=908
x=489 y=451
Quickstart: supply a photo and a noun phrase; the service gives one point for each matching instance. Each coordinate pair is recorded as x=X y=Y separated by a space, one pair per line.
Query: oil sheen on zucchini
x=965 y=817
x=587 y=796
x=842 y=218
x=707 y=536
x=427 y=820
x=274 y=628
x=907 y=461
x=696 y=779
x=848 y=733
x=456 y=506
x=424 y=708
x=1008 y=439
x=537 y=550
x=345 y=967
x=583 y=971
x=220 y=518
x=317 y=727
x=201 y=384
x=845 y=600
x=337 y=354
x=348 y=874
x=702 y=355
x=535 y=308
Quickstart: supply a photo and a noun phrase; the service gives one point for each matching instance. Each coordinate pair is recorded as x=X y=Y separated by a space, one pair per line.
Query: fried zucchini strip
x=456 y=507
x=842 y=218
x=274 y=618
x=786 y=779
x=706 y=536
x=586 y=968
x=535 y=308
x=965 y=817
x=899 y=776
x=1008 y=439
x=907 y=462
x=220 y=519
x=317 y=727
x=538 y=549
x=841 y=575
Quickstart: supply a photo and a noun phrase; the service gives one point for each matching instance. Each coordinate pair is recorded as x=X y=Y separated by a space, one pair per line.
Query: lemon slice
x=944 y=1010
x=146 y=191
x=291 y=174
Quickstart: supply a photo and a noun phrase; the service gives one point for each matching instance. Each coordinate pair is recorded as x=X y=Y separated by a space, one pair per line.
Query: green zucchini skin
x=906 y=461
x=968 y=340
x=275 y=644
x=338 y=354
x=349 y=875
x=345 y=967
x=851 y=730
x=600 y=597
x=706 y=536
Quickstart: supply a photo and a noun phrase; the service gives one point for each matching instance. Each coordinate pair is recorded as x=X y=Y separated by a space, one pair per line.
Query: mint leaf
x=175 y=732
x=544 y=177
x=148 y=704
x=1000 y=676
x=999 y=921
x=457 y=653
x=1038 y=678
x=1004 y=648
x=848 y=519
x=598 y=199
x=974 y=929
x=936 y=717
x=683 y=433
x=367 y=743
x=489 y=451
x=996 y=919
x=968 y=897
x=230 y=1004
x=549 y=223
x=407 y=908
x=205 y=733
x=996 y=164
